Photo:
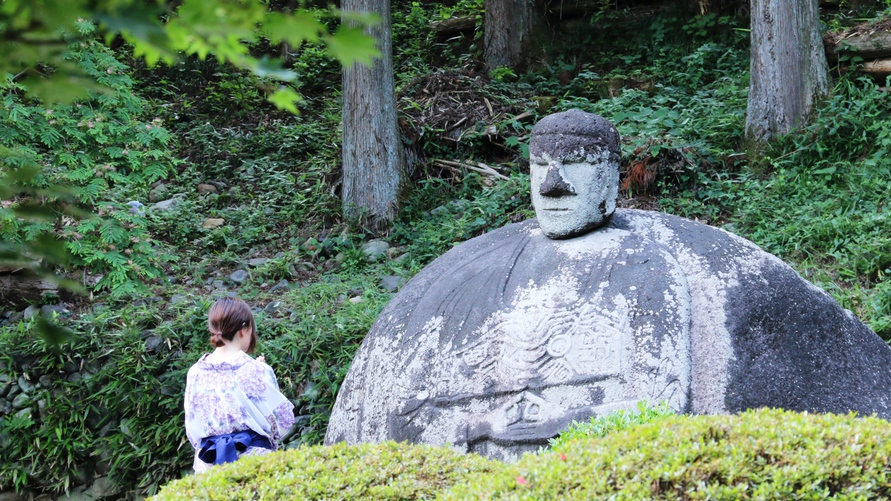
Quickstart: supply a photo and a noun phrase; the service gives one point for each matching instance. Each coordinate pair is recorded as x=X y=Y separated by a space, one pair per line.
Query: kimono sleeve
x=282 y=417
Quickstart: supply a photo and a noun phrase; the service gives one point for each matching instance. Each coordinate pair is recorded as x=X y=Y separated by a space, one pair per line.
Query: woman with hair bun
x=233 y=405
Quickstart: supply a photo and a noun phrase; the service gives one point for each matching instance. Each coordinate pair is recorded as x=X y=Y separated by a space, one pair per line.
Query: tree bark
x=788 y=66
x=508 y=27
x=373 y=162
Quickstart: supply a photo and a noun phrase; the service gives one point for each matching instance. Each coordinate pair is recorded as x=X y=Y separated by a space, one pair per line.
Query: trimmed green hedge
x=763 y=454
x=367 y=471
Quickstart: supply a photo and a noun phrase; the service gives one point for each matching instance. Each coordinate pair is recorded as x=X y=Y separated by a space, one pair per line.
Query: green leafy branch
x=34 y=38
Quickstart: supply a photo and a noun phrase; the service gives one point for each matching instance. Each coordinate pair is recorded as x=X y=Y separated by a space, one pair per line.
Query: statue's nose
x=554 y=185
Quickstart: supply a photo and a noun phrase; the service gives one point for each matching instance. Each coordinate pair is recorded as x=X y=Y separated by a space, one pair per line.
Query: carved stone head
x=574 y=163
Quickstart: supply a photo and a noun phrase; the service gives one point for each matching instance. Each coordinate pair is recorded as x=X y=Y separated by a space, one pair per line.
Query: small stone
x=48 y=310
x=25 y=384
x=392 y=283
x=172 y=279
x=166 y=205
x=257 y=262
x=212 y=222
x=374 y=249
x=103 y=488
x=177 y=298
x=205 y=188
x=218 y=284
x=292 y=271
x=78 y=494
x=12 y=496
x=238 y=276
x=21 y=401
x=281 y=286
x=153 y=342
x=272 y=307
x=30 y=311
x=158 y=193
x=75 y=378
x=304 y=266
x=45 y=381
x=357 y=299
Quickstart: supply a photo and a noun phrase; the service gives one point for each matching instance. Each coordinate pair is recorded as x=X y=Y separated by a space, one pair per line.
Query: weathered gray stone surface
x=503 y=341
x=506 y=338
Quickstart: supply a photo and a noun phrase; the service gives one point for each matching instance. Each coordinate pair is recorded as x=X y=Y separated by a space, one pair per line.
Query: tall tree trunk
x=508 y=27
x=372 y=154
x=788 y=66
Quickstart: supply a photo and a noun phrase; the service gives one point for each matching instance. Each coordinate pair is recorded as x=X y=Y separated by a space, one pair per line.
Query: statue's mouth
x=558 y=209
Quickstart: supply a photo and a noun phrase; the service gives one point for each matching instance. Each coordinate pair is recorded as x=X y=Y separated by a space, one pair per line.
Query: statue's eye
x=538 y=162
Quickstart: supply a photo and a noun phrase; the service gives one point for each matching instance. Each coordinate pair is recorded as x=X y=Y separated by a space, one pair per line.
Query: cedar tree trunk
x=788 y=66
x=508 y=27
x=372 y=154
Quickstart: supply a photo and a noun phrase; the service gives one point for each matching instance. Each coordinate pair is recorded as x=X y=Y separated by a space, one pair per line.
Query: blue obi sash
x=225 y=448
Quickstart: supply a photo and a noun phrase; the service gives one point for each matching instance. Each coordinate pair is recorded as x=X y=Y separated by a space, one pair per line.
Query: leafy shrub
x=760 y=454
x=107 y=150
x=366 y=471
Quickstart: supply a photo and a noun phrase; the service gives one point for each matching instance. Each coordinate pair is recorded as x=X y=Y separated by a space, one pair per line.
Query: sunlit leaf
x=295 y=29
x=286 y=98
x=350 y=45
x=272 y=68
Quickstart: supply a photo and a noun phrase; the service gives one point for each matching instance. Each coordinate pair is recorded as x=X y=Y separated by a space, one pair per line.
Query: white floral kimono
x=233 y=396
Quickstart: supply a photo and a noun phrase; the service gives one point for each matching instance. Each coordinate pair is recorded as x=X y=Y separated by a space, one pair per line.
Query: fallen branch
x=868 y=42
x=479 y=167
x=454 y=24
x=877 y=69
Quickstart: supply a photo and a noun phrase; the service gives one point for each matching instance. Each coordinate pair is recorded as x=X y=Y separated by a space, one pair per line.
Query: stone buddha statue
x=503 y=341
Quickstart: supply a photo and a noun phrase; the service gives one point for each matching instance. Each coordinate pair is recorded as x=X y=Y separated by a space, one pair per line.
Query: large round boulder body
x=508 y=338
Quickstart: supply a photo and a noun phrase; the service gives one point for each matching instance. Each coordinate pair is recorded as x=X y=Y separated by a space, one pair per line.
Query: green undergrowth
x=109 y=400
x=831 y=183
